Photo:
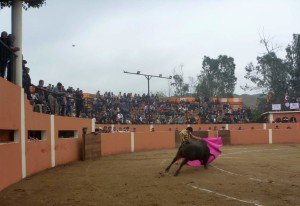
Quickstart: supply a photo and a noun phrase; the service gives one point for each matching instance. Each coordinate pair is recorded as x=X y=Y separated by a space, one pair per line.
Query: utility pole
x=148 y=77
x=16 y=16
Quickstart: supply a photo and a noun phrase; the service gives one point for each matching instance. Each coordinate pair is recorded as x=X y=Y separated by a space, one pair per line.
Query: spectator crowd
x=128 y=108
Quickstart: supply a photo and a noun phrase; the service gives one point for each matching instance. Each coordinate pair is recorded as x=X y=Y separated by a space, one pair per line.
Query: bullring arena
x=259 y=164
x=59 y=156
x=242 y=175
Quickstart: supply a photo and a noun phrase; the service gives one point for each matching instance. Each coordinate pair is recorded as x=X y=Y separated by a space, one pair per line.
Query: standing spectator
x=70 y=102
x=98 y=94
x=41 y=92
x=286 y=98
x=3 y=53
x=26 y=81
x=52 y=101
x=293 y=119
x=54 y=98
x=78 y=102
x=120 y=118
x=59 y=93
x=10 y=42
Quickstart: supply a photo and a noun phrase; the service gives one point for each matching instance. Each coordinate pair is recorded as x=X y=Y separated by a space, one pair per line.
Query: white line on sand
x=226 y=196
x=235 y=174
x=218 y=194
x=237 y=148
x=247 y=151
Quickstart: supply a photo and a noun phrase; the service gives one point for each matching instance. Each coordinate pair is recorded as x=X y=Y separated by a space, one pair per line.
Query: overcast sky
x=154 y=37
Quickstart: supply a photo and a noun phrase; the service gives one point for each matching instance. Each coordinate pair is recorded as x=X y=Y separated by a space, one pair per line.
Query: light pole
x=148 y=77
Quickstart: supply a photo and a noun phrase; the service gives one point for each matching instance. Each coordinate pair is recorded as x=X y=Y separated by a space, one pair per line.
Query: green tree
x=181 y=88
x=191 y=85
x=293 y=61
x=270 y=75
x=26 y=3
x=217 y=77
x=160 y=94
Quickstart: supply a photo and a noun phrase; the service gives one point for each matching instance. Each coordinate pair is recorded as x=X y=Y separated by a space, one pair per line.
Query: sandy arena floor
x=242 y=175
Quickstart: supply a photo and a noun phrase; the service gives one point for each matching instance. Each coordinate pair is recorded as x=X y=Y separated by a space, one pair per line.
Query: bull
x=192 y=150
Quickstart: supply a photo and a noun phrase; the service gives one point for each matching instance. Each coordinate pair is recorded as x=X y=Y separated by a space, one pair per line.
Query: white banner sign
x=276 y=106
x=294 y=105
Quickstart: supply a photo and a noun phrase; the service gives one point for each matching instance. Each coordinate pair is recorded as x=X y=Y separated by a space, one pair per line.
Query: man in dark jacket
x=3 y=53
x=11 y=56
x=79 y=102
x=26 y=82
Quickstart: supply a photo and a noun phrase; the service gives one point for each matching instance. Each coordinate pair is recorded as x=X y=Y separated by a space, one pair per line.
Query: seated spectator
x=104 y=129
x=114 y=130
x=97 y=131
x=109 y=129
x=278 y=120
x=121 y=130
x=128 y=121
x=140 y=120
x=293 y=119
x=219 y=119
x=120 y=118
x=285 y=119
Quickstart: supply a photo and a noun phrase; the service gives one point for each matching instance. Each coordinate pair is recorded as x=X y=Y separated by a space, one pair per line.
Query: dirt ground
x=242 y=175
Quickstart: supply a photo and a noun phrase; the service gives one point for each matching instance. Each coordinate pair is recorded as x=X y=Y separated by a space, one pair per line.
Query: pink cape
x=214 y=143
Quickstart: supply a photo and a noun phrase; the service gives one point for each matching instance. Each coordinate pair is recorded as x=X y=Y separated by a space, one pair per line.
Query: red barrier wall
x=153 y=141
x=138 y=127
x=282 y=136
x=165 y=128
x=10 y=153
x=258 y=126
x=115 y=143
x=282 y=125
x=10 y=164
x=38 y=152
x=38 y=156
x=69 y=149
x=10 y=105
x=209 y=127
x=213 y=133
x=249 y=136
